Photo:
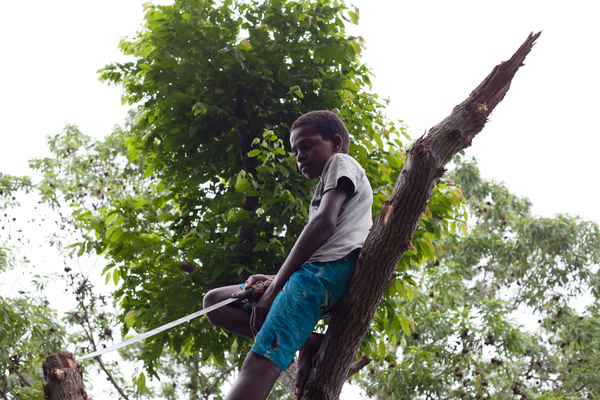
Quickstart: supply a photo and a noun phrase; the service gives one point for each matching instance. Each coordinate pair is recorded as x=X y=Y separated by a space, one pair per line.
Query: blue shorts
x=308 y=296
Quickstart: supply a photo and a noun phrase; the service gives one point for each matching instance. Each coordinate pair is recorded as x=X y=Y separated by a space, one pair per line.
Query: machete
x=237 y=296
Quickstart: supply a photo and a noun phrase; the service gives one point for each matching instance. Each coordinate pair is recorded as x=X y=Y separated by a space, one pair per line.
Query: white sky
x=542 y=140
x=427 y=56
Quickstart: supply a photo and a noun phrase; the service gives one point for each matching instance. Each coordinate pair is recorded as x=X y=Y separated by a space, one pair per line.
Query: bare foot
x=306 y=358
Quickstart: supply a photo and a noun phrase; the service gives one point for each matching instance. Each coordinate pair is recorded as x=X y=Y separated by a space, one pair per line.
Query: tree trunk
x=288 y=377
x=63 y=379
x=396 y=223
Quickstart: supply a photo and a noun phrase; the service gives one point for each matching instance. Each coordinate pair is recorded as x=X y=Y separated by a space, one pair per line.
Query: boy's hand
x=261 y=308
x=259 y=283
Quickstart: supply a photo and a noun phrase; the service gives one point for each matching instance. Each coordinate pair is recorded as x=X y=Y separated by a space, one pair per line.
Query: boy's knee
x=220 y=316
x=257 y=364
x=211 y=298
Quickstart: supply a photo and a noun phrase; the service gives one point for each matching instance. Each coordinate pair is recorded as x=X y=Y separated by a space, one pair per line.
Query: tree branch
x=221 y=376
x=111 y=378
x=288 y=377
x=246 y=136
x=395 y=225
x=24 y=381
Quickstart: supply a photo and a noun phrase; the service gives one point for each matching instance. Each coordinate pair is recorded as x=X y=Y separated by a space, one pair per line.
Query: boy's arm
x=314 y=234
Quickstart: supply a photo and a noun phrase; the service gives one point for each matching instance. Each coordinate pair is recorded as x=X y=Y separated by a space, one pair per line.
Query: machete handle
x=247 y=293
x=243 y=294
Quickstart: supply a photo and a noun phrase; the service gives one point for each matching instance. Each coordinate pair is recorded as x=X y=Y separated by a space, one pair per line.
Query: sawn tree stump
x=63 y=379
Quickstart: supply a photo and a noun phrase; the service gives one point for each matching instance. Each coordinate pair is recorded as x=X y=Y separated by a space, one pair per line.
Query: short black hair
x=327 y=123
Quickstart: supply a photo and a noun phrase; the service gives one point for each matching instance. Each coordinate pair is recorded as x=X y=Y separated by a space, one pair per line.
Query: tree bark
x=396 y=223
x=63 y=379
x=288 y=377
x=246 y=136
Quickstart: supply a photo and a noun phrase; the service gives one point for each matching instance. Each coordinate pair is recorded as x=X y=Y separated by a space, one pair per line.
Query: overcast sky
x=427 y=56
x=542 y=140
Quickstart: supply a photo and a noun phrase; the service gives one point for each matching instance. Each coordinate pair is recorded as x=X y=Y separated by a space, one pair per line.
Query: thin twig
x=89 y=332
x=24 y=381
x=221 y=375
x=110 y=377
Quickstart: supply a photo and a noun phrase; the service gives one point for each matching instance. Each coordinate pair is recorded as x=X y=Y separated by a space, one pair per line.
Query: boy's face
x=312 y=151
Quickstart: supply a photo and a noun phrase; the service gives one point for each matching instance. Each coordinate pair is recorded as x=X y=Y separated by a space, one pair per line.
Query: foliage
x=29 y=328
x=510 y=268
x=200 y=189
x=96 y=171
x=28 y=333
x=8 y=186
x=211 y=80
x=208 y=180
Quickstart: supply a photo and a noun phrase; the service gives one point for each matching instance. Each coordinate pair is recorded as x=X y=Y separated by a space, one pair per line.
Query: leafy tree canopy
x=200 y=189
x=29 y=331
x=467 y=341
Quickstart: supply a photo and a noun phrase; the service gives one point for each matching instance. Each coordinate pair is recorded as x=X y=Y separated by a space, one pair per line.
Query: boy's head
x=327 y=124
x=314 y=138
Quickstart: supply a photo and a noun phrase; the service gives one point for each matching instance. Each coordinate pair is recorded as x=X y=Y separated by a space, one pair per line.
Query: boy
x=317 y=270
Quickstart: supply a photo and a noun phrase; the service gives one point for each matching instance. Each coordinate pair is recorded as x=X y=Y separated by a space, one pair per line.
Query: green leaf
x=116 y=276
x=244 y=45
x=149 y=170
x=410 y=293
x=405 y=324
x=382 y=350
x=378 y=140
x=129 y=319
x=81 y=250
x=110 y=218
x=260 y=246
x=141 y=382
x=253 y=153
x=115 y=234
x=242 y=185
x=140 y=204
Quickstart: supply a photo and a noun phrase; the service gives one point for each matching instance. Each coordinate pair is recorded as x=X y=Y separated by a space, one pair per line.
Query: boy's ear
x=338 y=143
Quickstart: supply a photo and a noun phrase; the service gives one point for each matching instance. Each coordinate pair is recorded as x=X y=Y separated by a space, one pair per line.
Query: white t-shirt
x=354 y=220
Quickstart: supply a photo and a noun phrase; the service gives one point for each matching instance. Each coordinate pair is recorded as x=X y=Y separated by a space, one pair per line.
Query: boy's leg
x=256 y=379
x=258 y=374
x=335 y=277
x=231 y=317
